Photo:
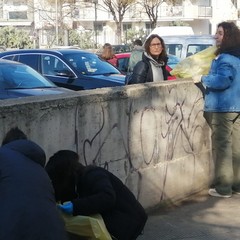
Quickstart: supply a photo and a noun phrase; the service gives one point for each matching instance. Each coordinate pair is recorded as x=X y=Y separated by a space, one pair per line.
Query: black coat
x=27 y=203
x=142 y=72
x=101 y=192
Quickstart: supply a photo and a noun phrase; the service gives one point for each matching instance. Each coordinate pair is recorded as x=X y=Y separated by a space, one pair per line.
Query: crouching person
x=27 y=203
x=93 y=190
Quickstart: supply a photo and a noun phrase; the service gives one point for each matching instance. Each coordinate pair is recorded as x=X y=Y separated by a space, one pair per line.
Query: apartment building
x=47 y=22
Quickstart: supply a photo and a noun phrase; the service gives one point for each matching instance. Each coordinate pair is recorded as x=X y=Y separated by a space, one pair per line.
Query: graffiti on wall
x=152 y=131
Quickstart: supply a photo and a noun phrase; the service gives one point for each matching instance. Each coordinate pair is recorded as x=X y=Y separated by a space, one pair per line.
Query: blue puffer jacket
x=223 y=83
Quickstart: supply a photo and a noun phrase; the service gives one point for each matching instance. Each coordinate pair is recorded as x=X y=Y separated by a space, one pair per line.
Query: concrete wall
x=152 y=136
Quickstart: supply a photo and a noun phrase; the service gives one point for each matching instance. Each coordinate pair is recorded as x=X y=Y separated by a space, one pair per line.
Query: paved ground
x=202 y=218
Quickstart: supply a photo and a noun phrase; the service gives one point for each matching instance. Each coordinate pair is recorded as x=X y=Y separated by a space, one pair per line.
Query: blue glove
x=66 y=207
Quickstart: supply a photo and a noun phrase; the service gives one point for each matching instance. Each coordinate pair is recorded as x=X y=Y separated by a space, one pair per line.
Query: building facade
x=48 y=21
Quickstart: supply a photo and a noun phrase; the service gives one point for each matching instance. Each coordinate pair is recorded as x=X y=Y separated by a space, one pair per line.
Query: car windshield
x=90 y=64
x=14 y=76
x=173 y=60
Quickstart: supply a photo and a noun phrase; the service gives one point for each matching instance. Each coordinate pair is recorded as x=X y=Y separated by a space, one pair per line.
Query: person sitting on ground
x=27 y=204
x=108 y=54
x=90 y=190
x=136 y=54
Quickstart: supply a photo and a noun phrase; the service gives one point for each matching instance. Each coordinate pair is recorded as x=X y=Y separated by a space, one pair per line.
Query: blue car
x=19 y=80
x=69 y=68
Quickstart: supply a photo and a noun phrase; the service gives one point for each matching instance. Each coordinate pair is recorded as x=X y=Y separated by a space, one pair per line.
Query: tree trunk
x=119 y=33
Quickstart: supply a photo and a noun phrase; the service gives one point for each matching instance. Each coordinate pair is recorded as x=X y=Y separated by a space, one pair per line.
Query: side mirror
x=65 y=73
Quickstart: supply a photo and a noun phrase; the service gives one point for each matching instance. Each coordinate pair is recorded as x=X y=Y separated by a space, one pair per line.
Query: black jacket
x=27 y=203
x=142 y=72
x=101 y=192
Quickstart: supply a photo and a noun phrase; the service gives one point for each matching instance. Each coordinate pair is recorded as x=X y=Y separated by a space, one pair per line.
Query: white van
x=172 y=31
x=184 y=46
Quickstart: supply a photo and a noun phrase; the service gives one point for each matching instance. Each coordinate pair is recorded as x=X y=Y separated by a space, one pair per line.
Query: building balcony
x=135 y=14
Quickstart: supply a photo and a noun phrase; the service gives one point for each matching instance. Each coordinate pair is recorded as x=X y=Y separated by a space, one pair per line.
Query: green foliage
x=178 y=23
x=11 y=37
x=175 y=2
x=84 y=40
x=131 y=35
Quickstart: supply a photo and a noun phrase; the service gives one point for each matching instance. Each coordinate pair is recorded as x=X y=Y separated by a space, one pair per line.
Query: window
x=174 y=49
x=195 y=48
x=148 y=28
x=53 y=66
x=18 y=15
x=127 y=26
x=98 y=26
x=29 y=59
x=19 y=2
x=123 y=64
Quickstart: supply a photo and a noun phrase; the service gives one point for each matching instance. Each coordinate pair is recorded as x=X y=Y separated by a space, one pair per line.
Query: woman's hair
x=13 y=134
x=107 y=52
x=231 y=37
x=62 y=169
x=163 y=54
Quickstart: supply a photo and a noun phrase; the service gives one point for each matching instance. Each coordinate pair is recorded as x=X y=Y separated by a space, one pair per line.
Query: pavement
x=201 y=217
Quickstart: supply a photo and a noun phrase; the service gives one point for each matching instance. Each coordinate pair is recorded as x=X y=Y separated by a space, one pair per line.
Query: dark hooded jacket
x=27 y=203
x=99 y=191
x=142 y=71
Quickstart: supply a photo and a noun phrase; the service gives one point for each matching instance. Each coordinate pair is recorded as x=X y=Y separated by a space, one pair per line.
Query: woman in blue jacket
x=222 y=100
x=92 y=190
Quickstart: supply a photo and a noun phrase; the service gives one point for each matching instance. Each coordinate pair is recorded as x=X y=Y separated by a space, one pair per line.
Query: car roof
x=55 y=51
x=190 y=36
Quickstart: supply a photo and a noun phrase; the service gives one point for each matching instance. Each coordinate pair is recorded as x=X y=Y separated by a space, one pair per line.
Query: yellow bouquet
x=92 y=227
x=197 y=64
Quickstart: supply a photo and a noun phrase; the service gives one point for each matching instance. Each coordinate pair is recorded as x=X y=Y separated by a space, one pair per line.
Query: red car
x=123 y=60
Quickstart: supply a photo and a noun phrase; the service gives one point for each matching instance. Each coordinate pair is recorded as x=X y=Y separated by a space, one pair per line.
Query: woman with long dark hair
x=222 y=104
x=152 y=67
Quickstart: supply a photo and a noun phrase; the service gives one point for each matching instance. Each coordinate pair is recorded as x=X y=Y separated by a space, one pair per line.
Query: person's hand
x=66 y=207
x=197 y=78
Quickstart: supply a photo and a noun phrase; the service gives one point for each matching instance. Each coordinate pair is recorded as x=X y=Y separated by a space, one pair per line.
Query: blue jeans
x=226 y=151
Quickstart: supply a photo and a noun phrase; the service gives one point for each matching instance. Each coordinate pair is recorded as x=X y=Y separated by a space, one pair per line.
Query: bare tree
x=118 y=8
x=55 y=15
x=152 y=7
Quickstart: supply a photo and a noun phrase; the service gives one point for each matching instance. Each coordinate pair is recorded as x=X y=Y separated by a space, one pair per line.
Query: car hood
x=16 y=93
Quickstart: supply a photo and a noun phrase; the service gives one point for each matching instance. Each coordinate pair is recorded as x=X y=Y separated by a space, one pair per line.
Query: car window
x=123 y=64
x=195 y=48
x=174 y=49
x=11 y=57
x=173 y=60
x=121 y=48
x=29 y=59
x=21 y=76
x=52 y=65
x=90 y=64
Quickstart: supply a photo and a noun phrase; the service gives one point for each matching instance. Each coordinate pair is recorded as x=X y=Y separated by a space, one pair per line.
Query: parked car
x=123 y=61
x=19 y=80
x=121 y=48
x=70 y=68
